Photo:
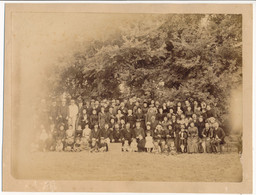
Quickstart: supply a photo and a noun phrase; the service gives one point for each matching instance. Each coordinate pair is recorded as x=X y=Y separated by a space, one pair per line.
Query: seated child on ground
x=156 y=148
x=94 y=146
x=126 y=147
x=103 y=146
x=85 y=143
x=164 y=147
x=134 y=145
x=77 y=145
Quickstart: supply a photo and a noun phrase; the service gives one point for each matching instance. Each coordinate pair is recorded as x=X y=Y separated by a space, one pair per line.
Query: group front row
x=170 y=139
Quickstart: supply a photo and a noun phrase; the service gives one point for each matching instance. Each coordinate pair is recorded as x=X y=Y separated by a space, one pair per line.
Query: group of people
x=139 y=125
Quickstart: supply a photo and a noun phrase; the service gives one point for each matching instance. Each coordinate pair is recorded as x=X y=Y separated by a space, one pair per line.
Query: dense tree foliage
x=160 y=56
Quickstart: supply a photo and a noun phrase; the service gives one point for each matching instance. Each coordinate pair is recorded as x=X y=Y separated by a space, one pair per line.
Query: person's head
x=216 y=125
x=97 y=103
x=194 y=117
x=61 y=127
x=72 y=102
x=192 y=124
x=63 y=102
x=126 y=142
x=187 y=103
x=208 y=107
x=96 y=126
x=137 y=103
x=138 y=124
x=172 y=144
x=165 y=119
x=106 y=126
x=164 y=104
x=139 y=110
x=203 y=105
x=112 y=121
x=155 y=143
x=148 y=133
x=86 y=126
x=122 y=121
x=94 y=111
x=79 y=127
x=171 y=111
x=173 y=118
x=128 y=125
x=189 y=108
x=179 y=104
x=70 y=126
x=145 y=104
x=207 y=125
x=200 y=118
x=77 y=139
x=157 y=103
x=153 y=118
x=130 y=112
x=160 y=110
x=148 y=127
x=169 y=127
x=186 y=120
x=102 y=109
x=119 y=111
x=195 y=103
x=110 y=109
x=84 y=111
x=117 y=126
x=152 y=102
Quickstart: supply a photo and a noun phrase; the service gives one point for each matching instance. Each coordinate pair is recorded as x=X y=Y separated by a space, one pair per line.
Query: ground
x=118 y=166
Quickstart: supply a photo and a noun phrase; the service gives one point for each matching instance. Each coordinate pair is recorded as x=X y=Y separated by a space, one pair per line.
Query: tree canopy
x=168 y=56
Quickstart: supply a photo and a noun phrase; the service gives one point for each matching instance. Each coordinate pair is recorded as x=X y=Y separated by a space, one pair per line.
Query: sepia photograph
x=110 y=95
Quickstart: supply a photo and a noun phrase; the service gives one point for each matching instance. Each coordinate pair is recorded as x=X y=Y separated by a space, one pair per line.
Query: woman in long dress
x=192 y=139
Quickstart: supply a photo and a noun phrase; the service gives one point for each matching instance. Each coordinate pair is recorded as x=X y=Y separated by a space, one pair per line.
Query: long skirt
x=192 y=146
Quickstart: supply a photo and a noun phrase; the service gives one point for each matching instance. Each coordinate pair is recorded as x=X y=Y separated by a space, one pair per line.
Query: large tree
x=160 y=56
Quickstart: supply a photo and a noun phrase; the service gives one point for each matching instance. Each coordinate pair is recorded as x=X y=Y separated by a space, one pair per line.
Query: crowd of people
x=140 y=126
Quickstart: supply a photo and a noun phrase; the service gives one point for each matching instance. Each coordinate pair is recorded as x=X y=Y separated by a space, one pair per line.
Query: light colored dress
x=149 y=142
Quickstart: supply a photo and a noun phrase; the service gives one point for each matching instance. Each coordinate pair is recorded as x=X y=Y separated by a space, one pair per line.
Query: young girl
x=134 y=145
x=149 y=142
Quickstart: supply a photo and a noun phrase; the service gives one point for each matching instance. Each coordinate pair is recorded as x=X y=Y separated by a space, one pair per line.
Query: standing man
x=73 y=112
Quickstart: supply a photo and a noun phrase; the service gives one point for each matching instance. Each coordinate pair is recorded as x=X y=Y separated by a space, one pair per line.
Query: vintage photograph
x=139 y=97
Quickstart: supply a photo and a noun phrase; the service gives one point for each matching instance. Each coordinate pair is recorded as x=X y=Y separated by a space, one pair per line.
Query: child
x=94 y=146
x=156 y=148
x=183 y=139
x=85 y=143
x=172 y=149
x=141 y=144
x=69 y=144
x=134 y=145
x=79 y=131
x=149 y=142
x=103 y=146
x=43 y=139
x=164 y=147
x=87 y=132
x=77 y=145
x=59 y=146
x=126 y=147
